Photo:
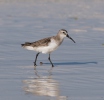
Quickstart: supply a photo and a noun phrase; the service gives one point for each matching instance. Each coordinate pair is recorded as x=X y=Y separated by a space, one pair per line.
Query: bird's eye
x=64 y=32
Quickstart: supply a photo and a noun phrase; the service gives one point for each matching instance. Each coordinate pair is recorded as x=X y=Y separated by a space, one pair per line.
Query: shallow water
x=79 y=68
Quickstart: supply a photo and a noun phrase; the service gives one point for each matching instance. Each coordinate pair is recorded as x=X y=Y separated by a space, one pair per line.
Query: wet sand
x=79 y=68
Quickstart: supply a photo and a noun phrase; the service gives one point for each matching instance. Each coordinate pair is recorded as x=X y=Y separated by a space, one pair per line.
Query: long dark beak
x=70 y=38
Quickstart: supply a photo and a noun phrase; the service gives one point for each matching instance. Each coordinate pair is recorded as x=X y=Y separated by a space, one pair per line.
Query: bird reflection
x=43 y=86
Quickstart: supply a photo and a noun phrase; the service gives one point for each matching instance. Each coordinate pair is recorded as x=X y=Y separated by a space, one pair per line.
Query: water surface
x=79 y=68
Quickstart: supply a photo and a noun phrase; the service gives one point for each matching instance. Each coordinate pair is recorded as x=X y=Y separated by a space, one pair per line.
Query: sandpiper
x=47 y=45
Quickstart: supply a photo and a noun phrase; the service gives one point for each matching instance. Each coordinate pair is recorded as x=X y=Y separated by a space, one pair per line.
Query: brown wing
x=42 y=42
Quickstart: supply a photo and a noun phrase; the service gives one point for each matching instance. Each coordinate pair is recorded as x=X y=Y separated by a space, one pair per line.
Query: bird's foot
x=34 y=64
x=52 y=65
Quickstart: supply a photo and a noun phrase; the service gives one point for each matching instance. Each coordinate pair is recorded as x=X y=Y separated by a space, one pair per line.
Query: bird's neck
x=59 y=38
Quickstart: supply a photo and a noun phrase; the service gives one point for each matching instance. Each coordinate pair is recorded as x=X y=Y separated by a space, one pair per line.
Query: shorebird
x=47 y=45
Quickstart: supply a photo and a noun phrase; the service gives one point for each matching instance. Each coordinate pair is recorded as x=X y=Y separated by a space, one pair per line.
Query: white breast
x=47 y=49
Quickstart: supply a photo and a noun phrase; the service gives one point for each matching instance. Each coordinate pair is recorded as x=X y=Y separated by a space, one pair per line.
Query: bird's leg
x=36 y=59
x=50 y=60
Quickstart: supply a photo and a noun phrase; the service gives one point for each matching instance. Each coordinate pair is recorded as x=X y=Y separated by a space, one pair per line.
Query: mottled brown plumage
x=42 y=42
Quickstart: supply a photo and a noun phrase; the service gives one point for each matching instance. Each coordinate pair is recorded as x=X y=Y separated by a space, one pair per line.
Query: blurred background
x=79 y=68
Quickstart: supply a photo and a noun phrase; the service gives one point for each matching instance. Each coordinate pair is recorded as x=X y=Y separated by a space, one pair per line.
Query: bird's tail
x=26 y=44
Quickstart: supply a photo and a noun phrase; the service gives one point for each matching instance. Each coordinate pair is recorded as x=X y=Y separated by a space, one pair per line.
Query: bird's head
x=63 y=33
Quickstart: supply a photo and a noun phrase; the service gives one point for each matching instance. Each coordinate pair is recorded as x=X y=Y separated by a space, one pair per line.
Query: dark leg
x=36 y=59
x=50 y=60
